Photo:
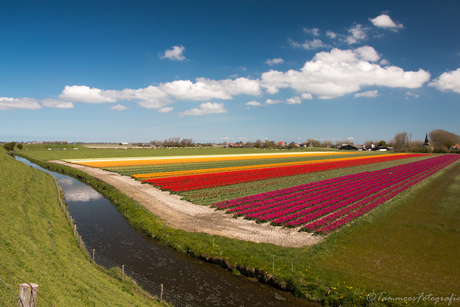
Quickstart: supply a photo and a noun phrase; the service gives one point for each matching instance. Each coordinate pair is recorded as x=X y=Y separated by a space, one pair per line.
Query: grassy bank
x=37 y=246
x=336 y=272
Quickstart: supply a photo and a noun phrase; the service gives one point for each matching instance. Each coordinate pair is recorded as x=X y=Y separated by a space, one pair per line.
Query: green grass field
x=37 y=246
x=408 y=247
x=41 y=152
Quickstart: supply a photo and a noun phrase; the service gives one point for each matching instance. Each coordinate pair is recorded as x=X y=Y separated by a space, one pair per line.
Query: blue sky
x=214 y=71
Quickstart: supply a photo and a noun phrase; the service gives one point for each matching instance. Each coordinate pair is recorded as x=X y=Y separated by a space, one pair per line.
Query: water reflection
x=79 y=192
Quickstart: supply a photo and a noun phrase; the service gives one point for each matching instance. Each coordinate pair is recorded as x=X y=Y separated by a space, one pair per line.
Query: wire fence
x=154 y=289
x=9 y=297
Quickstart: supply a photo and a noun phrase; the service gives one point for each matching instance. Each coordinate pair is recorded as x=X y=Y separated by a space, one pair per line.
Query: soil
x=184 y=215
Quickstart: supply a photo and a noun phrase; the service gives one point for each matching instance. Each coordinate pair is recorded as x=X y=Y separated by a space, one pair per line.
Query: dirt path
x=181 y=214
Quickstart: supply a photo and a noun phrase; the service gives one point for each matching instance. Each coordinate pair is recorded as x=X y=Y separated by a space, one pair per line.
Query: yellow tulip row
x=240 y=168
x=169 y=160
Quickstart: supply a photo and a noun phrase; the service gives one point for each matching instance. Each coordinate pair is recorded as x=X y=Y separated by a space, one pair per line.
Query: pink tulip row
x=326 y=205
x=374 y=203
x=332 y=203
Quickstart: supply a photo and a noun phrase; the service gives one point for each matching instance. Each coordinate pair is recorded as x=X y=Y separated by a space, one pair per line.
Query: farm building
x=353 y=147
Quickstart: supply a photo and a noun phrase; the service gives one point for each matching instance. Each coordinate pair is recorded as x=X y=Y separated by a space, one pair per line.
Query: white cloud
x=270 y=101
x=119 y=107
x=165 y=109
x=357 y=34
x=448 y=81
x=331 y=34
x=206 y=108
x=306 y=96
x=174 y=54
x=204 y=89
x=7 y=103
x=314 y=44
x=384 y=21
x=314 y=31
x=274 y=61
x=294 y=100
x=351 y=138
x=55 y=103
x=408 y=93
x=253 y=103
x=384 y=62
x=368 y=94
x=82 y=93
x=339 y=72
x=154 y=97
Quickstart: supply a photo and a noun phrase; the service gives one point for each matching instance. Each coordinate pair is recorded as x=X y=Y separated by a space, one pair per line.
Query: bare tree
x=314 y=142
x=401 y=142
x=327 y=143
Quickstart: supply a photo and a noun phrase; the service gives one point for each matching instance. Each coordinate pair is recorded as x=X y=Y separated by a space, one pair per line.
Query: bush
x=19 y=146
x=9 y=146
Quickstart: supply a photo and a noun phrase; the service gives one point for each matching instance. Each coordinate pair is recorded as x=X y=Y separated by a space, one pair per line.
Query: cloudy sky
x=221 y=71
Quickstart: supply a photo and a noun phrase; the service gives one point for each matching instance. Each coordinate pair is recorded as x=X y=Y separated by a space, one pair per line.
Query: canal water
x=104 y=229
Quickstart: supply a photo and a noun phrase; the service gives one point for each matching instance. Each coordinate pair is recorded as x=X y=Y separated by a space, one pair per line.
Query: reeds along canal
x=104 y=229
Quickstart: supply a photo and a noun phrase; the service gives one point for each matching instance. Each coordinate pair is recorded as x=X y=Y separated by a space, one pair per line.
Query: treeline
x=439 y=141
x=174 y=142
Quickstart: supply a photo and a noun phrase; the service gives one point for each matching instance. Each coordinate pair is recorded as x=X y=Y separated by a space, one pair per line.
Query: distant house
x=353 y=147
x=455 y=148
x=281 y=144
x=229 y=145
x=123 y=143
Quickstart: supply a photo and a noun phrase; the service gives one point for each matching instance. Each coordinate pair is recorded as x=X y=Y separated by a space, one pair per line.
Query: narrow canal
x=104 y=229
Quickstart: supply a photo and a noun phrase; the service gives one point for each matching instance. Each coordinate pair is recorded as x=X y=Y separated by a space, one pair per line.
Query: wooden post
x=161 y=293
x=81 y=243
x=93 y=254
x=28 y=295
x=74 y=230
x=122 y=273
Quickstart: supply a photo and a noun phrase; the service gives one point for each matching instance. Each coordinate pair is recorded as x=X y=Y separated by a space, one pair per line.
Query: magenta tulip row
x=329 y=204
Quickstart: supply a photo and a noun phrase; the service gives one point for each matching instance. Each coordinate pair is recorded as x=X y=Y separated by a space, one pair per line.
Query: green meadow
x=407 y=248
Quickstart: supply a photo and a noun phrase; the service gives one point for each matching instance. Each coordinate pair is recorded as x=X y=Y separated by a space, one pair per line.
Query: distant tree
x=19 y=146
x=382 y=143
x=9 y=146
x=314 y=142
x=441 y=139
x=401 y=142
x=327 y=143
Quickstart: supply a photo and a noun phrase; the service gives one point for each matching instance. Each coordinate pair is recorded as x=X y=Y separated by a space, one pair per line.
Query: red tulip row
x=326 y=205
x=195 y=182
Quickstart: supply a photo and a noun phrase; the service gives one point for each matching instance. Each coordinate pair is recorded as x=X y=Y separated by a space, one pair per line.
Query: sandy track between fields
x=184 y=215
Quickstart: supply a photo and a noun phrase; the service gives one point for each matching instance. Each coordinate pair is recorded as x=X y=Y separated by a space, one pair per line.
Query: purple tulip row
x=326 y=205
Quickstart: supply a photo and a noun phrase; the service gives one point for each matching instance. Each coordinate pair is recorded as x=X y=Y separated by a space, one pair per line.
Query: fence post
x=123 y=273
x=28 y=295
x=93 y=254
x=161 y=293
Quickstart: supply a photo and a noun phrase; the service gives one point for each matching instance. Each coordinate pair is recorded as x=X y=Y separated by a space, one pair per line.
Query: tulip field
x=320 y=206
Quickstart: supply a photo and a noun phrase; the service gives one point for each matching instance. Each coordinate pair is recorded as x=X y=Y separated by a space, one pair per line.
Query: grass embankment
x=38 y=246
x=348 y=264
